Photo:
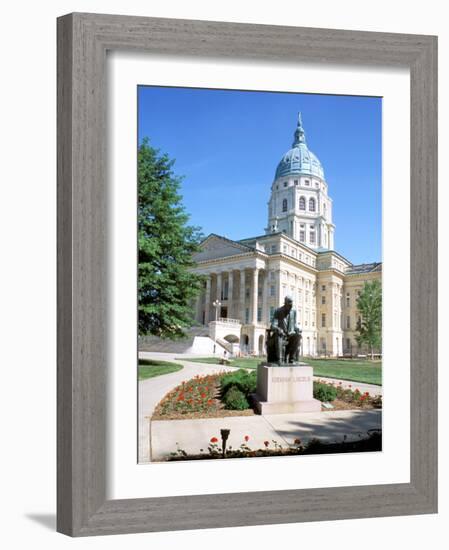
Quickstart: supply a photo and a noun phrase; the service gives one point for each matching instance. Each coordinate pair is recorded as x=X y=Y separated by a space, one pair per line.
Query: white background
x=27 y=215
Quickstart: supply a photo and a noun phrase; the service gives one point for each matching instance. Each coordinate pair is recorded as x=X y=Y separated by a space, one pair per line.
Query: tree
x=166 y=285
x=369 y=326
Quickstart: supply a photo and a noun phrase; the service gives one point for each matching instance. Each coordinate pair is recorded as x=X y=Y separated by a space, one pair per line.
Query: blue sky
x=228 y=143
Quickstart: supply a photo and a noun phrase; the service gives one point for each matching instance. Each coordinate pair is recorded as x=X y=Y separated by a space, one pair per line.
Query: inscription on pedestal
x=282 y=389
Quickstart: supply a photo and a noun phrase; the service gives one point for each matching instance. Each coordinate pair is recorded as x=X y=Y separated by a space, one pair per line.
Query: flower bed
x=200 y=397
x=228 y=394
x=346 y=398
x=370 y=443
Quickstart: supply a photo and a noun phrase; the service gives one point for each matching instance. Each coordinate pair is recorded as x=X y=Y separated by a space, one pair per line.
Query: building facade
x=246 y=280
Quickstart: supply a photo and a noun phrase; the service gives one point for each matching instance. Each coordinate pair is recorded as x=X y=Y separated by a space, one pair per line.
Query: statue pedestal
x=285 y=389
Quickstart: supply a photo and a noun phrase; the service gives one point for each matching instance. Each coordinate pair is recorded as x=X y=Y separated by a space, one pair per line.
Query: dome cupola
x=299 y=160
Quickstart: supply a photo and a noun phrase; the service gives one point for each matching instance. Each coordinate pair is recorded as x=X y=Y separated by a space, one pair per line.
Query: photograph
x=259 y=273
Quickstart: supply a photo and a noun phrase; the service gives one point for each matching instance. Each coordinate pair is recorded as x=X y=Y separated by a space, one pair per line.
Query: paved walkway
x=194 y=435
x=191 y=434
x=152 y=390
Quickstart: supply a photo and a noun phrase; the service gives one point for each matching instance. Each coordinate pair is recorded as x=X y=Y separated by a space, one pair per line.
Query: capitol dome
x=299 y=160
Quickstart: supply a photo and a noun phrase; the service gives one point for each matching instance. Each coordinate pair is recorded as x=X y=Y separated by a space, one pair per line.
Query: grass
x=240 y=362
x=354 y=370
x=149 y=368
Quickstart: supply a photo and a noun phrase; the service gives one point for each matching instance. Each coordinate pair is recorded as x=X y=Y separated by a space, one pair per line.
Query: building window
x=272 y=290
x=271 y=312
x=348 y=322
x=348 y=301
x=247 y=292
x=312 y=204
x=323 y=299
x=307 y=182
x=247 y=315
x=312 y=238
x=285 y=248
x=323 y=288
x=302 y=203
x=296 y=182
x=259 y=314
x=273 y=248
x=317 y=184
x=302 y=235
x=285 y=183
x=323 y=320
x=284 y=205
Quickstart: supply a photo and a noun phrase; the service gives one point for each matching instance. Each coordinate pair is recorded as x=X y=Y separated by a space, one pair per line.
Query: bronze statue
x=284 y=335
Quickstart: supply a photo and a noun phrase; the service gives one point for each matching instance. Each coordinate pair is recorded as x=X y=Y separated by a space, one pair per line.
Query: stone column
x=265 y=301
x=242 y=296
x=277 y=288
x=219 y=287
x=207 y=301
x=255 y=292
x=230 y=294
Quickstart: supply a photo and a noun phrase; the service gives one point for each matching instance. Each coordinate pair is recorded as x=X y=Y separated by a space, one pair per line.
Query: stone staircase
x=162 y=345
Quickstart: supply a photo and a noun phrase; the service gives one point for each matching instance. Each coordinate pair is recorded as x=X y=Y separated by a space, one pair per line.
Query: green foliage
x=148 y=368
x=235 y=388
x=324 y=392
x=243 y=380
x=166 y=287
x=235 y=399
x=369 y=304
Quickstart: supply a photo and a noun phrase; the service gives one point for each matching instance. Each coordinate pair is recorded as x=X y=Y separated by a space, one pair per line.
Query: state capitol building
x=247 y=279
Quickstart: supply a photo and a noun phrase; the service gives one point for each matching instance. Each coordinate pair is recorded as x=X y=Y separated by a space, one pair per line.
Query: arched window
x=284 y=205
x=312 y=204
x=302 y=203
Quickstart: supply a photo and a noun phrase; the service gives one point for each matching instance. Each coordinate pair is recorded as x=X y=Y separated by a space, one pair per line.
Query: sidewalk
x=193 y=435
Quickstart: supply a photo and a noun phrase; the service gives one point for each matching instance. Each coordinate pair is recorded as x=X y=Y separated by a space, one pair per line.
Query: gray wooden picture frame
x=83 y=40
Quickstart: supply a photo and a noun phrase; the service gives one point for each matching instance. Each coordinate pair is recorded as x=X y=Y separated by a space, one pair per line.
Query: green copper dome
x=299 y=160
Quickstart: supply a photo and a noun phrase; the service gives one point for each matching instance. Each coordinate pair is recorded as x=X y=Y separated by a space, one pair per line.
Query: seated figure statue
x=284 y=335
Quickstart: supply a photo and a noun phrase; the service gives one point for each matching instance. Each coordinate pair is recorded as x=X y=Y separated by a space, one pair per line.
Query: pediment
x=215 y=246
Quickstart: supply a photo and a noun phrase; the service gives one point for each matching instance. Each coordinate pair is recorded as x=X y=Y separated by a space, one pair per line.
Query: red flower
x=214 y=440
x=203 y=395
x=246 y=438
x=266 y=443
x=209 y=401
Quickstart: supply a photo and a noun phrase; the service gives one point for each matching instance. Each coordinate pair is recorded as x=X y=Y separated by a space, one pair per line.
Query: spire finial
x=299 y=136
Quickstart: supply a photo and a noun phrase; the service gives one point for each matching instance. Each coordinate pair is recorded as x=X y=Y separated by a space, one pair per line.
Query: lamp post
x=216 y=305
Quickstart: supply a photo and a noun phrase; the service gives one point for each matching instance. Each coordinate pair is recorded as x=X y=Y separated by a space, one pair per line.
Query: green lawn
x=242 y=362
x=149 y=368
x=356 y=370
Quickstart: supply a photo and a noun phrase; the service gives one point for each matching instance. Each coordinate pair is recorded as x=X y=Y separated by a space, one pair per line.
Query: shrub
x=235 y=399
x=324 y=392
x=243 y=380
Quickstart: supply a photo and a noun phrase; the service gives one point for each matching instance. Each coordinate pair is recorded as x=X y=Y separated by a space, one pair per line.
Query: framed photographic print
x=246 y=274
